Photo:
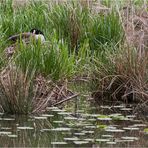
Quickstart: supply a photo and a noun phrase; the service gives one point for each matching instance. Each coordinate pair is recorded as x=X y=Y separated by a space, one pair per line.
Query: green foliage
x=76 y=40
x=50 y=60
x=106 y=30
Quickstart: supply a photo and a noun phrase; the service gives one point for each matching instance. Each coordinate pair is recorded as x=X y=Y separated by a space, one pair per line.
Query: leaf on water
x=131 y=128
x=71 y=139
x=146 y=130
x=131 y=116
x=104 y=117
x=51 y=108
x=89 y=139
x=70 y=118
x=61 y=129
x=108 y=136
x=58 y=121
x=13 y=136
x=64 y=113
x=92 y=119
x=114 y=130
x=47 y=115
x=59 y=143
x=119 y=106
x=81 y=142
x=57 y=110
x=106 y=107
x=41 y=118
x=8 y=119
x=119 y=117
x=102 y=126
x=88 y=132
x=4 y=133
x=130 y=138
x=102 y=140
x=80 y=134
x=25 y=128
x=124 y=140
x=139 y=125
x=6 y=128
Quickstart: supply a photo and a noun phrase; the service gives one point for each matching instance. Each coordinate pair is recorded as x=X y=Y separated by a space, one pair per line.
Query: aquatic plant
x=25 y=92
x=123 y=77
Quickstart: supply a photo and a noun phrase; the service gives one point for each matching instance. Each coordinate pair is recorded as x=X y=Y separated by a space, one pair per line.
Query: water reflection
x=57 y=127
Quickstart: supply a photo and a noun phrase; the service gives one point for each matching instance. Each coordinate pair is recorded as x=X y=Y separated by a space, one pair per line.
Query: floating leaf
x=41 y=118
x=61 y=129
x=146 y=130
x=129 y=138
x=13 y=136
x=4 y=133
x=81 y=142
x=102 y=140
x=59 y=143
x=25 y=128
x=71 y=139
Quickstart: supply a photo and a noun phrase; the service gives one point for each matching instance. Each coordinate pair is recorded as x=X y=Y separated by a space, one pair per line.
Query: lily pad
x=79 y=134
x=130 y=138
x=59 y=143
x=71 y=139
x=114 y=130
x=131 y=128
x=41 y=118
x=146 y=130
x=13 y=136
x=5 y=133
x=61 y=129
x=102 y=140
x=25 y=128
x=80 y=142
x=47 y=115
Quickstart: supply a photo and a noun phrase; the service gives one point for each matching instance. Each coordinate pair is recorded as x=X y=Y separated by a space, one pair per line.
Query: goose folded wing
x=16 y=37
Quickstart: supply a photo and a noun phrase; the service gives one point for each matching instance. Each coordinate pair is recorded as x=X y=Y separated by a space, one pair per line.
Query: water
x=90 y=128
x=78 y=123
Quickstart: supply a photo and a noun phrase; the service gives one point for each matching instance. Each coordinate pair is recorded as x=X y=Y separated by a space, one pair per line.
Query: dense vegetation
x=79 y=43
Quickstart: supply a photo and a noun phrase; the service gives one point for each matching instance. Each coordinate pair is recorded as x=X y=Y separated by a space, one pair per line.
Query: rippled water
x=77 y=123
x=102 y=126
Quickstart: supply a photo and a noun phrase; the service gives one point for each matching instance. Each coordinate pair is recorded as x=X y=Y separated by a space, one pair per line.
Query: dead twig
x=67 y=99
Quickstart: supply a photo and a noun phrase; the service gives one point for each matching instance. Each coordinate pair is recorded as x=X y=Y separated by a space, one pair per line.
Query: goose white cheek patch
x=41 y=37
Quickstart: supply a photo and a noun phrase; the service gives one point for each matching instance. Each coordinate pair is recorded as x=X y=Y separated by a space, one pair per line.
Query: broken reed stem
x=67 y=99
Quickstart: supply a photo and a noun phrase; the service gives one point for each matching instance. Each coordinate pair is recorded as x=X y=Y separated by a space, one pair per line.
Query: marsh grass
x=123 y=77
x=16 y=91
x=75 y=38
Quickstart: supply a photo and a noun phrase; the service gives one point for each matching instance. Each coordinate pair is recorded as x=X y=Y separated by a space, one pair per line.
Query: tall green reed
x=50 y=59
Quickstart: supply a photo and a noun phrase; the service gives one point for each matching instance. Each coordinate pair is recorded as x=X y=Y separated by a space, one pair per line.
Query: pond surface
x=78 y=124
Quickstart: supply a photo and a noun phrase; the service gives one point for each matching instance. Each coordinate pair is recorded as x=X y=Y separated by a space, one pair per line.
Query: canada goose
x=26 y=38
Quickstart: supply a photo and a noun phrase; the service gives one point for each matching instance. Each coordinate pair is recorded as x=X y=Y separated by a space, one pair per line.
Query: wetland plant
x=123 y=77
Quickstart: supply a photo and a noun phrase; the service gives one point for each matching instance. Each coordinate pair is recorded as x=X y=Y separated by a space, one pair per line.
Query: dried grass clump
x=128 y=80
x=25 y=93
x=135 y=22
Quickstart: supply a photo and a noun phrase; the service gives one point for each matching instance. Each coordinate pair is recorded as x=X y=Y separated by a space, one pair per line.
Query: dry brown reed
x=26 y=93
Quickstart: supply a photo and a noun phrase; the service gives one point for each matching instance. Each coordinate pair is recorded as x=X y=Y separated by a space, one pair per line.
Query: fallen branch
x=67 y=99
